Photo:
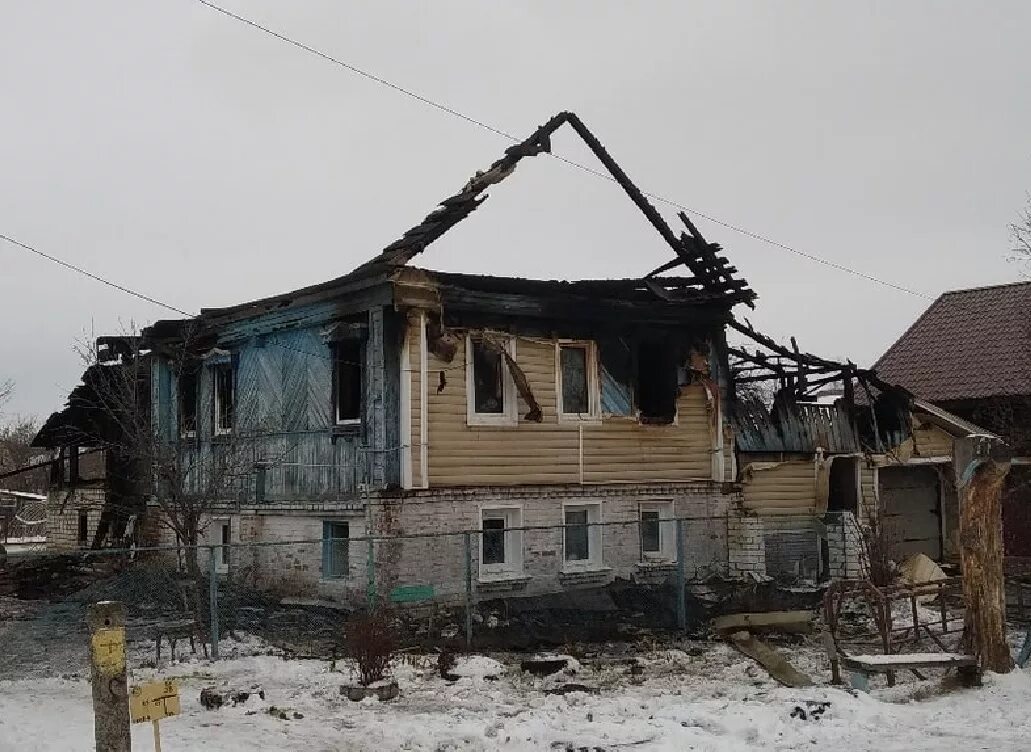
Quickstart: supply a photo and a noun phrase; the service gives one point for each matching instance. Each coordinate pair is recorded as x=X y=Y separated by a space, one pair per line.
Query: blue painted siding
x=283 y=421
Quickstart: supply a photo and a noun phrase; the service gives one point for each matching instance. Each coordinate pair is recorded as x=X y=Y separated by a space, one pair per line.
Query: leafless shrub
x=369 y=641
x=877 y=550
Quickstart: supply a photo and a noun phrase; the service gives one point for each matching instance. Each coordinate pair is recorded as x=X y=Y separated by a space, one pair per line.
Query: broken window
x=656 y=382
x=577 y=388
x=188 y=403
x=222 y=382
x=617 y=377
x=347 y=381
x=488 y=379
x=490 y=388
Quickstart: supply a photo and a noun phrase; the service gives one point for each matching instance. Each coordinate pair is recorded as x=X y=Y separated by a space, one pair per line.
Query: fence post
x=370 y=571
x=106 y=622
x=468 y=588
x=681 y=578
x=213 y=596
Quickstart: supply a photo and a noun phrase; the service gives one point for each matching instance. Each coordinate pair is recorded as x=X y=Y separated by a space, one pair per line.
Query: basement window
x=490 y=390
x=348 y=386
x=224 y=395
x=335 y=550
x=582 y=536
x=658 y=532
x=501 y=547
x=656 y=383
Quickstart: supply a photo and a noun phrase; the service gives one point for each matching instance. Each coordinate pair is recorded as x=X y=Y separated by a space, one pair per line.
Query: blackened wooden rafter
x=712 y=278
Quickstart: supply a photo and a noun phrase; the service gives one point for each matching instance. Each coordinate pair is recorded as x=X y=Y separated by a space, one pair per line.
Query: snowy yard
x=695 y=696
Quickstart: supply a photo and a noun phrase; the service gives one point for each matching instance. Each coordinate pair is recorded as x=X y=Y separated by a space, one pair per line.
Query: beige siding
x=930 y=441
x=781 y=488
x=868 y=487
x=415 y=380
x=615 y=449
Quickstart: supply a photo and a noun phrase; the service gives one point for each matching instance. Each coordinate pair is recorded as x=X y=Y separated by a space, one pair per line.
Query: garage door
x=910 y=509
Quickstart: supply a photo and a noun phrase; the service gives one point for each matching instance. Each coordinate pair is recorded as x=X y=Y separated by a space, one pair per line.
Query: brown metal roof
x=970 y=344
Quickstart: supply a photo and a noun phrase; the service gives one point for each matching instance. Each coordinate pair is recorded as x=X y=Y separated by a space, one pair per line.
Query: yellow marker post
x=153 y=702
x=106 y=622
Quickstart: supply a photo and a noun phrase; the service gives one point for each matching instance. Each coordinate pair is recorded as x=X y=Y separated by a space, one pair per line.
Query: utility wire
x=572 y=163
x=92 y=276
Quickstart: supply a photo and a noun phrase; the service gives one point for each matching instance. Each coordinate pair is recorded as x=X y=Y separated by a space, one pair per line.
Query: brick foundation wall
x=442 y=515
x=843 y=547
x=63 y=508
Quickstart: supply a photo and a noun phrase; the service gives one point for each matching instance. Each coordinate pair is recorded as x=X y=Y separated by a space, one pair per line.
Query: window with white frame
x=577 y=376
x=581 y=538
x=489 y=386
x=501 y=546
x=223 y=388
x=335 y=549
x=658 y=531
x=219 y=537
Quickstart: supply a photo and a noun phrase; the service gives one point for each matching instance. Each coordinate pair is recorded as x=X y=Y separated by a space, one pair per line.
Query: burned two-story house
x=418 y=405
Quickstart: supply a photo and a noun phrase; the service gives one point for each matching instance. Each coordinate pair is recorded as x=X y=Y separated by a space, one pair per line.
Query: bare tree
x=16 y=451
x=6 y=390
x=1020 y=234
x=181 y=474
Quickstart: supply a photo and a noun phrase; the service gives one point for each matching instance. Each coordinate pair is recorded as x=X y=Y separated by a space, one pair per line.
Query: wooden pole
x=106 y=622
x=157 y=737
x=982 y=462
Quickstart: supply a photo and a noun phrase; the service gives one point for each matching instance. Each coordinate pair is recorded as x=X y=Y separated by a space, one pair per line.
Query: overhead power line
x=91 y=275
x=572 y=163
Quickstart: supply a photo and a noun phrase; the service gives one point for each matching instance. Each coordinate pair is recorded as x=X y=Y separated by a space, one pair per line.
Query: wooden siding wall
x=785 y=488
x=614 y=450
x=930 y=441
x=283 y=414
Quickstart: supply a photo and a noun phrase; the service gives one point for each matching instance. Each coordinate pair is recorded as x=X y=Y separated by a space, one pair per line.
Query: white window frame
x=667 y=531
x=510 y=415
x=593 y=414
x=512 y=567
x=595 y=539
x=216 y=402
x=213 y=536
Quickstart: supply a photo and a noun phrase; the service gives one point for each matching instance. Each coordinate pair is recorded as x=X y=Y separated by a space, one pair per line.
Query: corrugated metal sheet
x=801 y=429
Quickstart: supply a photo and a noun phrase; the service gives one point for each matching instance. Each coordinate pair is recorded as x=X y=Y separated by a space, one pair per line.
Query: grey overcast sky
x=176 y=151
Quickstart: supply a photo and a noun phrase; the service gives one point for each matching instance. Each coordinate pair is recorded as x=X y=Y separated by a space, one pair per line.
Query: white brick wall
x=63 y=509
x=746 y=547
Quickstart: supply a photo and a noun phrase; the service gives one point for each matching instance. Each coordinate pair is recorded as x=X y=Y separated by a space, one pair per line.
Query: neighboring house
x=96 y=493
x=970 y=353
x=815 y=472
x=22 y=517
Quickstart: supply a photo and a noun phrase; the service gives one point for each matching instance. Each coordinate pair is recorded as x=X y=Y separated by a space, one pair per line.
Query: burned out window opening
x=616 y=374
x=656 y=382
x=348 y=381
x=188 y=399
x=491 y=391
x=83 y=537
x=223 y=388
x=576 y=374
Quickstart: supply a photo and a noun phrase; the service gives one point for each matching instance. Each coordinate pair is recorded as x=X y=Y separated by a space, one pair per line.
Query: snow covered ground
x=692 y=696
